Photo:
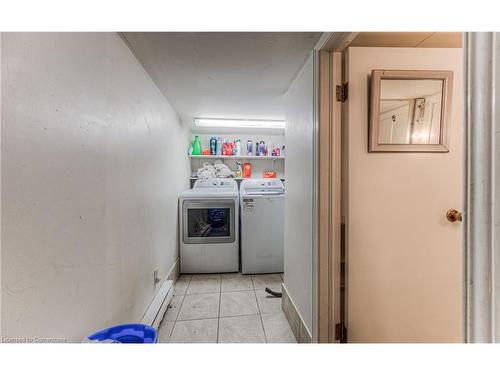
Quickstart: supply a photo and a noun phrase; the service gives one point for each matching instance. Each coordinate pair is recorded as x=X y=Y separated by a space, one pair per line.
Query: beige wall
x=405 y=260
x=93 y=159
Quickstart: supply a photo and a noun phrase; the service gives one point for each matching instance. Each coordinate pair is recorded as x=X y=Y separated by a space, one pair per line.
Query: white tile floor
x=225 y=308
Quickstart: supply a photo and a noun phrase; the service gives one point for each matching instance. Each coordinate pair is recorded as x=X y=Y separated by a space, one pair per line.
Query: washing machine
x=262 y=225
x=209 y=233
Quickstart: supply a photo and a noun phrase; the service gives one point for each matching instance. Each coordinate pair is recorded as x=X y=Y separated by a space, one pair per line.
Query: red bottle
x=247 y=170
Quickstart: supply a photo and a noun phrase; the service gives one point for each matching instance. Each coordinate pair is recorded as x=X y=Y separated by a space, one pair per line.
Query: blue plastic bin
x=127 y=334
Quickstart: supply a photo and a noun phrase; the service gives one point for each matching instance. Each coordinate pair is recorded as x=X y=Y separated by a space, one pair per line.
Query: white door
x=394 y=124
x=404 y=259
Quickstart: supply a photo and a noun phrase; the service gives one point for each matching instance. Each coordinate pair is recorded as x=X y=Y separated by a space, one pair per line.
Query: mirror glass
x=410 y=111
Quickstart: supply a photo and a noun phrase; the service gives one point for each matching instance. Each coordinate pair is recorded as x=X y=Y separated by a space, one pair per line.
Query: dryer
x=262 y=225
x=209 y=232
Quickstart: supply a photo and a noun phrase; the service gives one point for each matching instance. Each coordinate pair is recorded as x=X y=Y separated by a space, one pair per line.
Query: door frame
x=482 y=234
x=327 y=186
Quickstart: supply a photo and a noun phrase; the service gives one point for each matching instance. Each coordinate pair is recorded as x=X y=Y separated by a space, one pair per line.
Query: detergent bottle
x=196 y=146
x=219 y=146
x=247 y=170
x=213 y=146
x=237 y=150
x=239 y=170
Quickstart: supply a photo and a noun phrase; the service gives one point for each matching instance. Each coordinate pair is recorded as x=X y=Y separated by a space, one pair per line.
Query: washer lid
x=264 y=186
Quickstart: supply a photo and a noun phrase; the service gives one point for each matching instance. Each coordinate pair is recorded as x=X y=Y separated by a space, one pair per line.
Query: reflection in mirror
x=410 y=111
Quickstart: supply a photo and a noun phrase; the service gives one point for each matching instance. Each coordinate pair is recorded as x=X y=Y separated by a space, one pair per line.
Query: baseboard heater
x=159 y=305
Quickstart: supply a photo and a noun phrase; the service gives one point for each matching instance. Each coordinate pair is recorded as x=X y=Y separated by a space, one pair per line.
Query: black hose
x=273 y=293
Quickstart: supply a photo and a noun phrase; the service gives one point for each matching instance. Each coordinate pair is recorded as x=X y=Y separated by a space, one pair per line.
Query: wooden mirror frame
x=374 y=126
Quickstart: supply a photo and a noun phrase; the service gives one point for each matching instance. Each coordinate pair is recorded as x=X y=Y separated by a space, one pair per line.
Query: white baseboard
x=173 y=273
x=297 y=324
x=162 y=298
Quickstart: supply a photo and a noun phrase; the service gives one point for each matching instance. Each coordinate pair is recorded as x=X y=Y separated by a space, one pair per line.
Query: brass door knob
x=453 y=215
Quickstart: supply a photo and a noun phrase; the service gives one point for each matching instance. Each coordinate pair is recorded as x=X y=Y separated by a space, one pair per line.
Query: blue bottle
x=219 y=146
x=261 y=151
x=249 y=148
x=213 y=146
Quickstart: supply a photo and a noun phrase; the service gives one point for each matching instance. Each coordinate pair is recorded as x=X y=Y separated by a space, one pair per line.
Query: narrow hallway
x=225 y=308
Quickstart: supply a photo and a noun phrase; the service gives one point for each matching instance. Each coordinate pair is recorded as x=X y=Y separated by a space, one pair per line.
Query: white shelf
x=236 y=157
x=234 y=178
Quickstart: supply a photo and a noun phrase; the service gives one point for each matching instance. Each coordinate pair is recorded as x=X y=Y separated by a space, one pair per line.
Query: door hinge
x=341 y=92
x=341 y=332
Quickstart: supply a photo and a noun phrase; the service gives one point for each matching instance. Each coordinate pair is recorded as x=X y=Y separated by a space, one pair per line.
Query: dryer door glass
x=208 y=222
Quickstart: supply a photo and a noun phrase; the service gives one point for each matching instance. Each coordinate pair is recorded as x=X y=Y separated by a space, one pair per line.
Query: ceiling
x=407 y=39
x=223 y=75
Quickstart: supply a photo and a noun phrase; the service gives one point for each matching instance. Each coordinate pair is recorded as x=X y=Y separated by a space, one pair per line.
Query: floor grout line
x=238 y=316
x=260 y=314
x=198 y=294
x=263 y=327
x=218 y=319
x=180 y=307
x=176 y=316
x=172 y=331
x=192 y=320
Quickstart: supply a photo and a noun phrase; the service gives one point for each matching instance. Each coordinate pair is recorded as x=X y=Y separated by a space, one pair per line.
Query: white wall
x=299 y=192
x=93 y=161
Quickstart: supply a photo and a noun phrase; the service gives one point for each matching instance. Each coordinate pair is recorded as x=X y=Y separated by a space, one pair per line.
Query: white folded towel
x=222 y=170
x=219 y=169
x=207 y=171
